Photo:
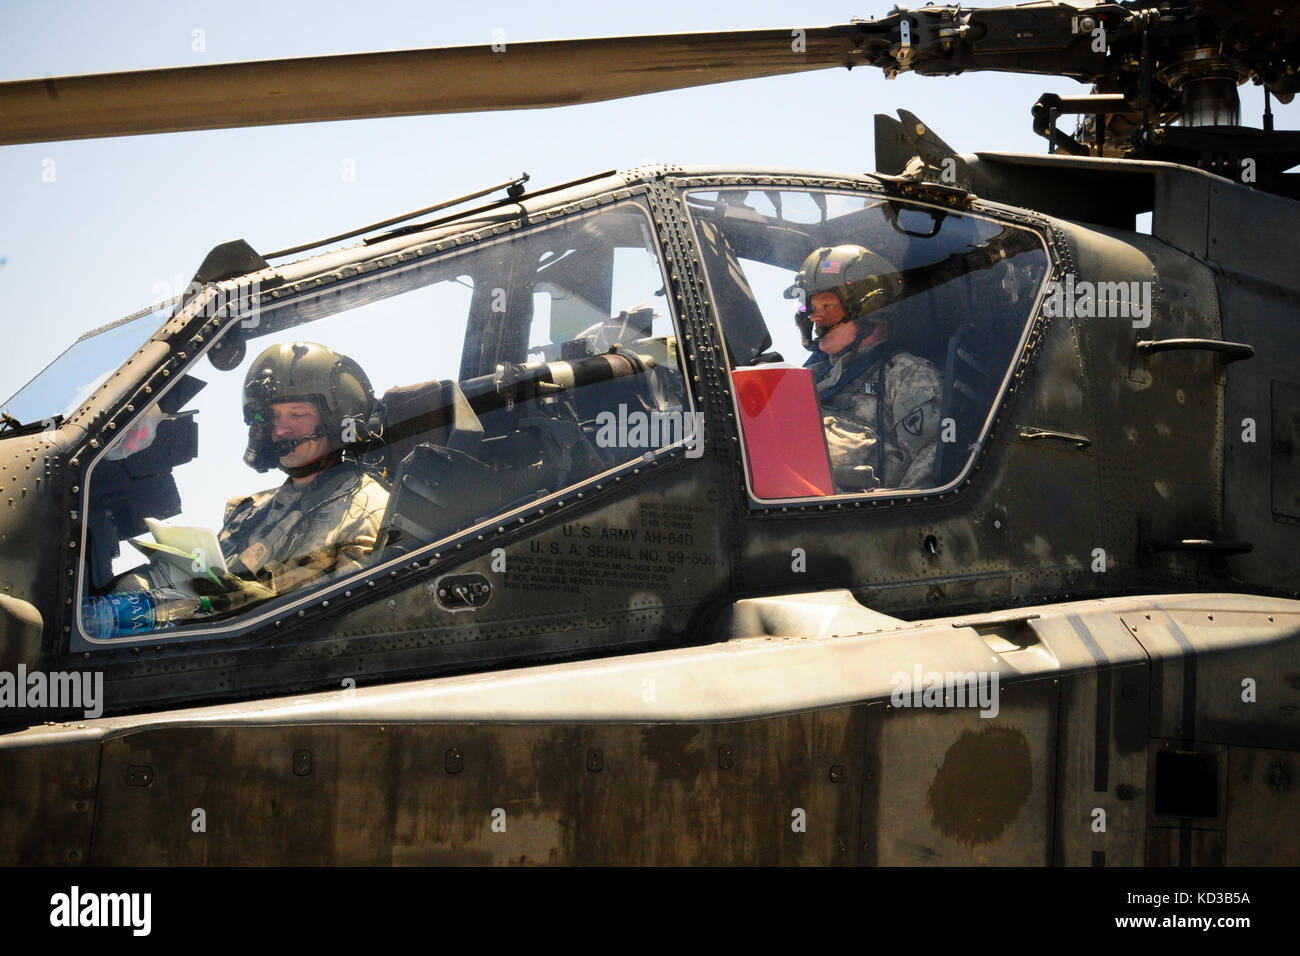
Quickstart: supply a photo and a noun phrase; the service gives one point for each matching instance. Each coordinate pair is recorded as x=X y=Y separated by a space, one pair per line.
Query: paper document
x=194 y=550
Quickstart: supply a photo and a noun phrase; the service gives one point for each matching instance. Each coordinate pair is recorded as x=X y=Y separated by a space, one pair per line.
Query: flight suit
x=288 y=536
x=285 y=537
x=880 y=409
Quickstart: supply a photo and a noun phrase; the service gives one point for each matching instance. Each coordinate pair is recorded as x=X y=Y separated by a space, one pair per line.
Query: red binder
x=784 y=442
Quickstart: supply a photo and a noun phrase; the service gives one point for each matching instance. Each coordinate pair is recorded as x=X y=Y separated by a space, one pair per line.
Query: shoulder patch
x=914 y=423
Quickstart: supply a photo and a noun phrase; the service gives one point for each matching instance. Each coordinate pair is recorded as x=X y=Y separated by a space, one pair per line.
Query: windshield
x=898 y=323
x=367 y=420
x=72 y=377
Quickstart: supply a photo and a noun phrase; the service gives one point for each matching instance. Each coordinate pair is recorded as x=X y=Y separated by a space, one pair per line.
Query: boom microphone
x=286 y=445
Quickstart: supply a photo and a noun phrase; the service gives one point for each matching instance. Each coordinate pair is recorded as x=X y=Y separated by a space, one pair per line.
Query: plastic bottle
x=137 y=612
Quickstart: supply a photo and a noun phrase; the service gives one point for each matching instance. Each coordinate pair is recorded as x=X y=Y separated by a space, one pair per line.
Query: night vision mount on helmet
x=862 y=280
x=303 y=372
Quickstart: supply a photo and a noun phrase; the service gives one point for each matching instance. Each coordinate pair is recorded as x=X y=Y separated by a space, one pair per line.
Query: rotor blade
x=406 y=83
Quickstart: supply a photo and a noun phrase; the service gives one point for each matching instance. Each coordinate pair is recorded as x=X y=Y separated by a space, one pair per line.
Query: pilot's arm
x=913 y=395
x=356 y=537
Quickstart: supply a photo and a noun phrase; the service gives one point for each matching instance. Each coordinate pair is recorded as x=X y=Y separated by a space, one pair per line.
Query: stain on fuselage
x=981 y=785
x=674 y=752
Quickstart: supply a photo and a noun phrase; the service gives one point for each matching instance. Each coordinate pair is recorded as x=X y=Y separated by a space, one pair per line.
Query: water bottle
x=136 y=612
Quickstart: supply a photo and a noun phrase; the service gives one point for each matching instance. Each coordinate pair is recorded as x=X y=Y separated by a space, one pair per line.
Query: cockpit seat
x=439 y=484
x=967 y=395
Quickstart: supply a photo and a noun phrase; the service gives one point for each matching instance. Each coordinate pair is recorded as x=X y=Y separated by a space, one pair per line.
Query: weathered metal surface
x=1118 y=454
x=1173 y=846
x=777 y=710
x=47 y=799
x=1027 y=528
x=514 y=794
x=596 y=764
x=958 y=789
x=1222 y=676
x=1262 y=423
x=1263 y=805
x=1102 y=783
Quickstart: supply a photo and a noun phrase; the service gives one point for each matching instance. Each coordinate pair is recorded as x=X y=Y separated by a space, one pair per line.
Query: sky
x=124 y=222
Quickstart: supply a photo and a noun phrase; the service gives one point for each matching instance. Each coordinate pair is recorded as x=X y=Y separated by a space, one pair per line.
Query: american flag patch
x=829 y=268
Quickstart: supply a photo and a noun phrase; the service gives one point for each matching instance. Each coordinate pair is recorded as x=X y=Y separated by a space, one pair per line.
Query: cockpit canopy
x=497 y=371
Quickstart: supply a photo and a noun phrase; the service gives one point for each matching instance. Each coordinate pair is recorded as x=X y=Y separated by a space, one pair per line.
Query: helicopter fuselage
x=642 y=634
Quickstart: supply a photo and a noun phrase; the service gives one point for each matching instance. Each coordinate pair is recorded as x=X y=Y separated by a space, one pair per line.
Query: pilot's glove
x=231 y=590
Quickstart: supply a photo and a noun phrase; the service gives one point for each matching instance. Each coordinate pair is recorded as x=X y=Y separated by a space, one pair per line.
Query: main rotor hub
x=1208 y=83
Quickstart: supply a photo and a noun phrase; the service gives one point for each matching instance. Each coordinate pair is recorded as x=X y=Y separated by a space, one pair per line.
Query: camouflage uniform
x=875 y=444
x=288 y=536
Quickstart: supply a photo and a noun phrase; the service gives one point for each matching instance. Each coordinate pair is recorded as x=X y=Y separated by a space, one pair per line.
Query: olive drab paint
x=1086 y=561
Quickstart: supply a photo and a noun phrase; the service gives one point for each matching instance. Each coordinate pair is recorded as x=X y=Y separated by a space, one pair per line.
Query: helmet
x=302 y=372
x=862 y=280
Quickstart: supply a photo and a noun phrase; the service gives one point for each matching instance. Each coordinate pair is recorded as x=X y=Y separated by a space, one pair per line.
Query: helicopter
x=621 y=605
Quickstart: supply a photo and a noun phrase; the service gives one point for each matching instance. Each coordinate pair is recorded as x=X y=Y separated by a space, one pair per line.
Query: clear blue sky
x=125 y=218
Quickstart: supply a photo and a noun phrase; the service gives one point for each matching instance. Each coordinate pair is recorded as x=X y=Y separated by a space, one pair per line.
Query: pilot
x=880 y=405
x=302 y=403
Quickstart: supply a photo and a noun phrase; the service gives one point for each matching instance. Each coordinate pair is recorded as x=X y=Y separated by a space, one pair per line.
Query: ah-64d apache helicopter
x=632 y=593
